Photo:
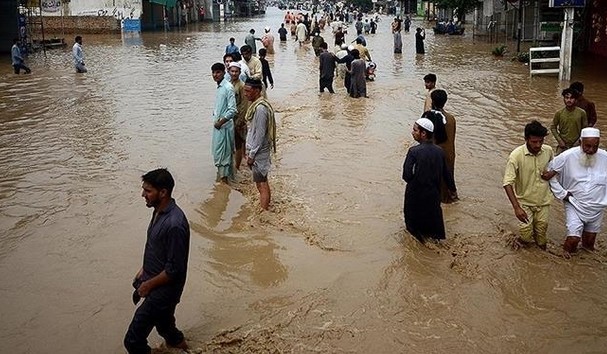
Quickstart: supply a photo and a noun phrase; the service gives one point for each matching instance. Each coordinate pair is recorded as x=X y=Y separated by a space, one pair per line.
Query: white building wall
x=489 y=7
x=118 y=8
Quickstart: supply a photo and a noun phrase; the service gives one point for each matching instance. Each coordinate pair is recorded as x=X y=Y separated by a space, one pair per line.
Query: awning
x=167 y=3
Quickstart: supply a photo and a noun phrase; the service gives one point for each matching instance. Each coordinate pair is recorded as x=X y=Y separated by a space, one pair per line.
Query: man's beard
x=587 y=160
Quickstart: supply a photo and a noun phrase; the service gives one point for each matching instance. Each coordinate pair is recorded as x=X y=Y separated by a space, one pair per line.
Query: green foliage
x=461 y=7
x=522 y=57
x=365 y=5
x=499 y=51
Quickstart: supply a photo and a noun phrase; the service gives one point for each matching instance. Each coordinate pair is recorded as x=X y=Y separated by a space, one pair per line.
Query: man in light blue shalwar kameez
x=223 y=122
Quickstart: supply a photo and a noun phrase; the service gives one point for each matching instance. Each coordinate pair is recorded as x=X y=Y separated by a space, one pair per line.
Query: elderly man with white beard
x=582 y=185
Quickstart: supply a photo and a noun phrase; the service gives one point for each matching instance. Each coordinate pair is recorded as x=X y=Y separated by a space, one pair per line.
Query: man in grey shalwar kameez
x=358 y=85
x=261 y=137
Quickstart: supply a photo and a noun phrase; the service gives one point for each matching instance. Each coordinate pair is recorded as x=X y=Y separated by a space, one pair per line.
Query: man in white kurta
x=582 y=185
x=301 y=32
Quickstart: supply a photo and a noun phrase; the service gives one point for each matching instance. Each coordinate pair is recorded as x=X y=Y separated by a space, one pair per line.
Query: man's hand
x=567 y=196
x=547 y=175
x=218 y=124
x=144 y=289
x=521 y=215
x=250 y=161
x=453 y=195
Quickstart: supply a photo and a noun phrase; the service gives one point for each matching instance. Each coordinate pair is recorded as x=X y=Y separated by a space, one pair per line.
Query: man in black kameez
x=165 y=260
x=420 y=35
x=424 y=167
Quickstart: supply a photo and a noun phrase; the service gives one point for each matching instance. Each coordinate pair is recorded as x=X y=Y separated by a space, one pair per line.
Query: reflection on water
x=236 y=253
x=332 y=261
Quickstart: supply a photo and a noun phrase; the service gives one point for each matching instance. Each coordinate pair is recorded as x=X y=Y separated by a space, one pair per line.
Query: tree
x=461 y=7
x=364 y=5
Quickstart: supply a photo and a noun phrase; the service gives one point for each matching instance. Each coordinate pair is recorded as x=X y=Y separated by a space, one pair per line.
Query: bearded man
x=582 y=185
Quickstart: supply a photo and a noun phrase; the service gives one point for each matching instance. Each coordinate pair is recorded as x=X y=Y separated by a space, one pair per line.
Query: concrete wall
x=80 y=24
x=117 y=8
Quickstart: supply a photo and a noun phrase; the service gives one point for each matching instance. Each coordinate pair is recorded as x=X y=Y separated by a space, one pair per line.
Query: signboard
x=567 y=3
x=131 y=25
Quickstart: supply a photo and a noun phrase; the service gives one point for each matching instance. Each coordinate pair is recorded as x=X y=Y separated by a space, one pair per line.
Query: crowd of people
x=244 y=131
x=397 y=28
x=575 y=174
x=534 y=174
x=429 y=167
x=243 y=118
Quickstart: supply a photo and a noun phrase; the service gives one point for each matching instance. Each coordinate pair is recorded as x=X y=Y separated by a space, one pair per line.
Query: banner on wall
x=131 y=25
x=51 y=5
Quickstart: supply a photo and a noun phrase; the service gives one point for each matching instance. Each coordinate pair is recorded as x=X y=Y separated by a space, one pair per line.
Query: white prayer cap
x=591 y=133
x=234 y=64
x=426 y=124
x=350 y=47
x=344 y=46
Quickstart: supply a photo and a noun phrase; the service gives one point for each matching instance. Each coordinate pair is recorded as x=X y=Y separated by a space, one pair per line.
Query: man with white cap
x=582 y=185
x=268 y=40
x=424 y=168
x=242 y=104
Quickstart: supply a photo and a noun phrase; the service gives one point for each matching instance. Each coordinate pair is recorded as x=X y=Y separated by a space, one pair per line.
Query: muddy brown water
x=331 y=268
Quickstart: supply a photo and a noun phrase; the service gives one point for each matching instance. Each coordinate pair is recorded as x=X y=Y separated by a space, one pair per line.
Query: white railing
x=533 y=60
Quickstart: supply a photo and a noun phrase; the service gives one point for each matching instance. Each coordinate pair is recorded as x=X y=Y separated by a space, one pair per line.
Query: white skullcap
x=591 y=133
x=234 y=64
x=350 y=47
x=344 y=46
x=426 y=124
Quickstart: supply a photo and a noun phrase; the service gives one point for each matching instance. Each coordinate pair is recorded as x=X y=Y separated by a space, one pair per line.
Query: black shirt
x=283 y=34
x=265 y=72
x=167 y=248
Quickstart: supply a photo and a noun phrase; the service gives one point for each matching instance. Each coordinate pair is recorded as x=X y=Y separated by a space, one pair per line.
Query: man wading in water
x=261 y=137
x=165 y=263
x=424 y=167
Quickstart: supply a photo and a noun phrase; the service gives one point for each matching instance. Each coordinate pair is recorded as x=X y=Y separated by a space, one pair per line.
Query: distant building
x=498 y=20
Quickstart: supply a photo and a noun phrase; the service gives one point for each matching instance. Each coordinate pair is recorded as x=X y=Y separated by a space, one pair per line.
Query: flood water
x=330 y=268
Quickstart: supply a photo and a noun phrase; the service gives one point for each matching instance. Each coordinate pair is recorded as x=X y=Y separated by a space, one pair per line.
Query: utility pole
x=566 y=45
x=519 y=30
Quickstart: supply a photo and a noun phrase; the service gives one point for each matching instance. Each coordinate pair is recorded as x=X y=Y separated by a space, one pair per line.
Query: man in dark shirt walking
x=266 y=73
x=165 y=260
x=584 y=103
x=424 y=168
x=282 y=32
x=327 y=66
